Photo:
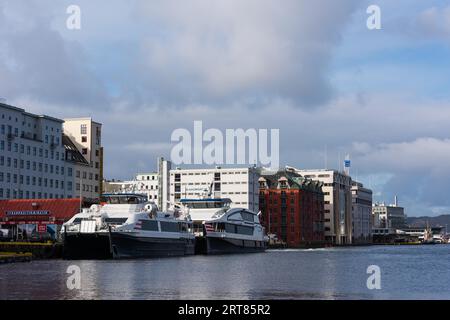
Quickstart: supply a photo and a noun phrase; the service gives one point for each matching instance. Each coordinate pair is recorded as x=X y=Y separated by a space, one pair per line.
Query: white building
x=389 y=216
x=361 y=213
x=86 y=137
x=238 y=184
x=338 y=203
x=31 y=156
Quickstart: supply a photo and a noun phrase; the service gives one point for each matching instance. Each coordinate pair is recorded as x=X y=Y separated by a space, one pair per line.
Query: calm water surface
x=407 y=272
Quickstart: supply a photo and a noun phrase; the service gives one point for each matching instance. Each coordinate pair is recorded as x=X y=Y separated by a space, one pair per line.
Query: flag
x=209 y=227
x=138 y=225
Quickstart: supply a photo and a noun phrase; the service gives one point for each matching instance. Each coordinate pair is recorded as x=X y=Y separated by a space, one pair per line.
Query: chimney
x=395 y=201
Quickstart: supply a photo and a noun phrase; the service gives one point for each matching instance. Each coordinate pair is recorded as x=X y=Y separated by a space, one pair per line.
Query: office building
x=338 y=203
x=361 y=213
x=389 y=216
x=32 y=156
x=85 y=134
x=238 y=184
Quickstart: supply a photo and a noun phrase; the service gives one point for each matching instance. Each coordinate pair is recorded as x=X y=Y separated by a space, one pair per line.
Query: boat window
x=244 y=230
x=122 y=199
x=149 y=225
x=116 y=220
x=230 y=228
x=77 y=220
x=247 y=216
x=169 y=226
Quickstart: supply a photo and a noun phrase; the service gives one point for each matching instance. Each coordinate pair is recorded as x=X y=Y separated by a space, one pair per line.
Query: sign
x=28 y=213
x=42 y=228
x=347 y=163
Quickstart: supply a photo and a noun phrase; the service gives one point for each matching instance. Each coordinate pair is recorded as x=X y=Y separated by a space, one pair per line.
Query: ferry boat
x=127 y=226
x=221 y=229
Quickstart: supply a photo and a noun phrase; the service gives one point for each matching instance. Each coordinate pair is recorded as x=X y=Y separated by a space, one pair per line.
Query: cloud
x=419 y=170
x=38 y=64
x=434 y=22
x=226 y=51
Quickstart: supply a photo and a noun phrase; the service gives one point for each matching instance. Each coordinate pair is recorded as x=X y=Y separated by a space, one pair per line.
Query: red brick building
x=292 y=207
x=32 y=218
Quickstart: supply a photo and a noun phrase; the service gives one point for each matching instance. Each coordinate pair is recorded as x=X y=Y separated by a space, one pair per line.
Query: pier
x=10 y=257
x=36 y=250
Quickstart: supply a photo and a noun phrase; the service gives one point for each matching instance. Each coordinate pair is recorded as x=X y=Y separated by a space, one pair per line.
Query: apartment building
x=361 y=213
x=86 y=137
x=32 y=156
x=338 y=203
x=238 y=184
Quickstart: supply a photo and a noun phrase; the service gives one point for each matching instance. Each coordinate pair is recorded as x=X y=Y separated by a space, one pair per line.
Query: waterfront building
x=42 y=157
x=238 y=184
x=35 y=219
x=361 y=213
x=338 y=203
x=85 y=134
x=292 y=208
x=32 y=156
x=389 y=216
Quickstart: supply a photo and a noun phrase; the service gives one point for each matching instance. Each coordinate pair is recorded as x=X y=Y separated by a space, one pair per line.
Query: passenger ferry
x=221 y=229
x=127 y=226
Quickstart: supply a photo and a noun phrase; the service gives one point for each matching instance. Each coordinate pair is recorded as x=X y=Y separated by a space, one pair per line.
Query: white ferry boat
x=127 y=226
x=220 y=229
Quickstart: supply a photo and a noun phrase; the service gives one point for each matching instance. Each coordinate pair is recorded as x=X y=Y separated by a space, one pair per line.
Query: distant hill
x=439 y=221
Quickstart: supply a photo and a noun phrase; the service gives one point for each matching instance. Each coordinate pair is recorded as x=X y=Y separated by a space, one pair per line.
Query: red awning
x=38 y=210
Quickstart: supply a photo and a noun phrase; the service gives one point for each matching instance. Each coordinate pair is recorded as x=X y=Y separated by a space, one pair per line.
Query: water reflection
x=407 y=272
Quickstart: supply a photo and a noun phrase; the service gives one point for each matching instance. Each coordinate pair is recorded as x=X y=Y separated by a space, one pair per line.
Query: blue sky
x=310 y=68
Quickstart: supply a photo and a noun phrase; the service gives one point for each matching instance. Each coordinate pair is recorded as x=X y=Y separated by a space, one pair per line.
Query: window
x=83 y=139
x=83 y=129
x=84 y=151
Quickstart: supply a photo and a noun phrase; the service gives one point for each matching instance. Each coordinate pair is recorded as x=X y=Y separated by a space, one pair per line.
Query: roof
x=39 y=209
x=294 y=180
x=72 y=152
x=4 y=105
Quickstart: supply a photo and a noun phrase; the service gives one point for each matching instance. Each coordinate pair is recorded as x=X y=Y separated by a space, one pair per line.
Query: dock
x=10 y=257
x=37 y=250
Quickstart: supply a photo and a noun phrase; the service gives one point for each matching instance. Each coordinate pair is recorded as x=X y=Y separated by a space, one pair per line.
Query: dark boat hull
x=228 y=245
x=123 y=246
x=129 y=246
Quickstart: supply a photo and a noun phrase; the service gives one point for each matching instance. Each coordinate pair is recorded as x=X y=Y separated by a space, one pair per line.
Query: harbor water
x=407 y=272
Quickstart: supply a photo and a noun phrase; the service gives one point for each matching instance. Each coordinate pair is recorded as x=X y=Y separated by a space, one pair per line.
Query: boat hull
x=130 y=246
x=87 y=246
x=216 y=245
x=117 y=245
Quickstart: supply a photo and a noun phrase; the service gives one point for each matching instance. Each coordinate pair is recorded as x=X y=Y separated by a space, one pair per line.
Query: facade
x=238 y=184
x=32 y=161
x=389 y=216
x=361 y=213
x=292 y=208
x=42 y=157
x=338 y=203
x=86 y=137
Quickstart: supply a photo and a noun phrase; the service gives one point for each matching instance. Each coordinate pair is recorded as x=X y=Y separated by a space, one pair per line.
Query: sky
x=311 y=69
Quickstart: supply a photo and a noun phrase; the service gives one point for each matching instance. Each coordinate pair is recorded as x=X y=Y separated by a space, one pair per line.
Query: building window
x=83 y=129
x=83 y=139
x=84 y=151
